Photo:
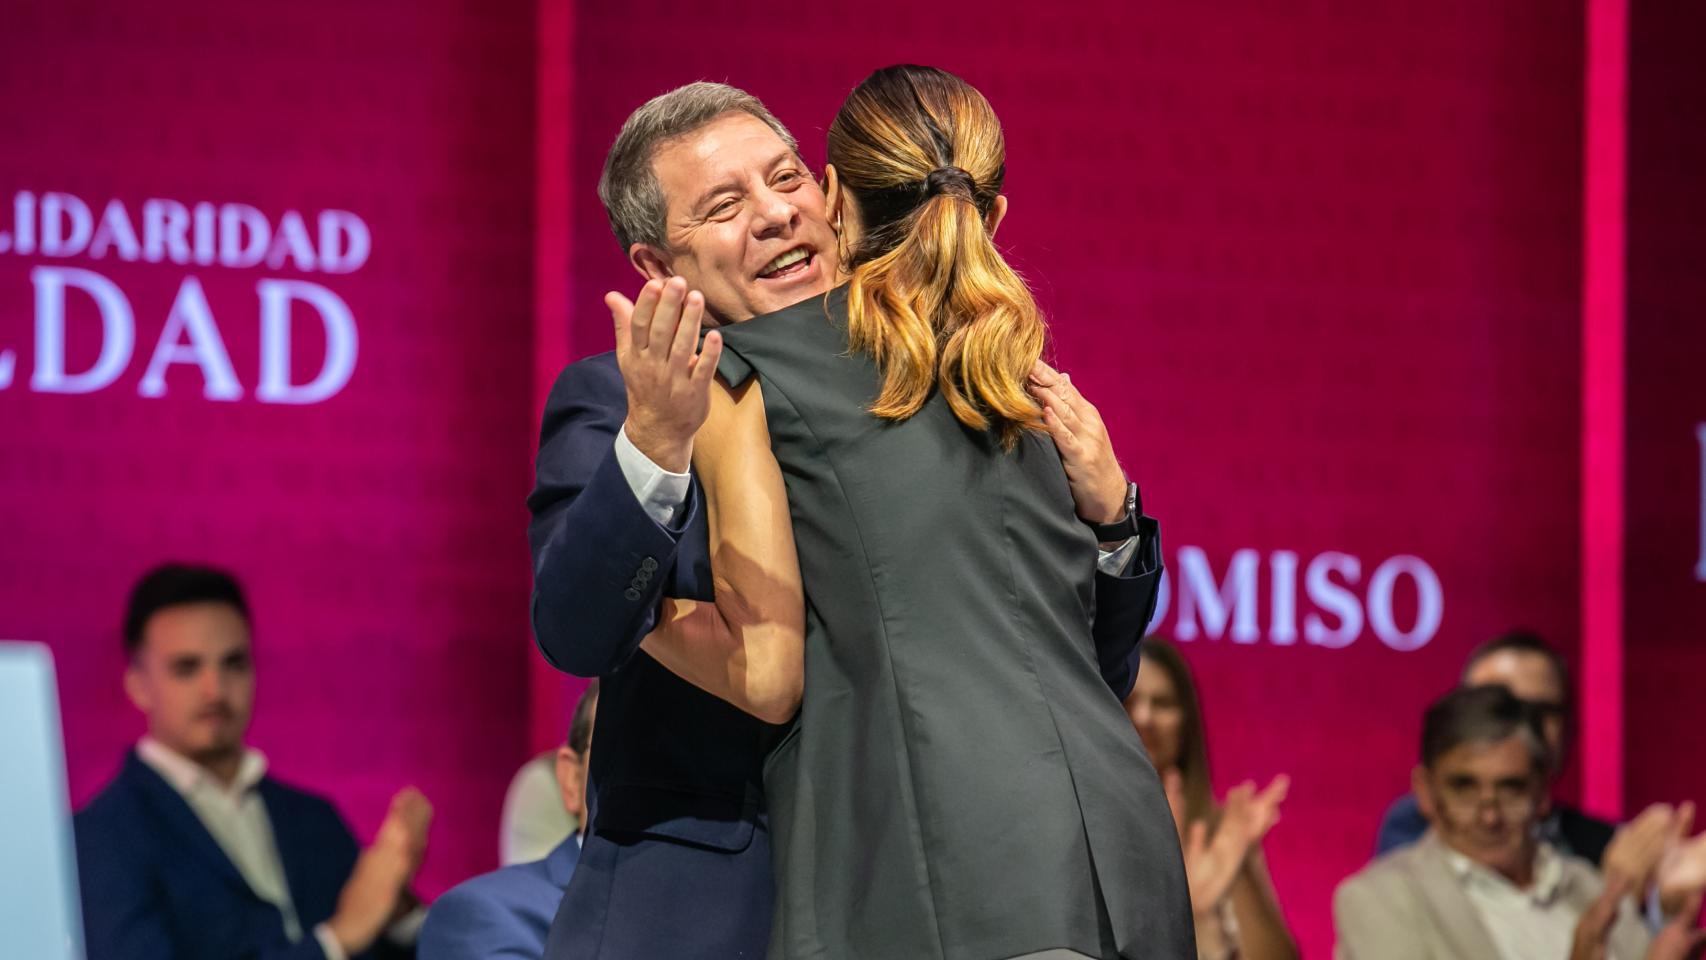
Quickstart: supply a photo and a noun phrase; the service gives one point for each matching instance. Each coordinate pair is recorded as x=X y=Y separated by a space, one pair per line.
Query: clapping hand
x=1213 y=863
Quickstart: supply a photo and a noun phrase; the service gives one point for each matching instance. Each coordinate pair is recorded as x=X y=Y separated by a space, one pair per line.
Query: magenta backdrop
x=1318 y=263
x=379 y=531
x=1665 y=580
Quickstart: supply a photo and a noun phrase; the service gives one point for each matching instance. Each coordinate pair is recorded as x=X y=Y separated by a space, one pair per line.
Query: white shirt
x=237 y=818
x=1525 y=924
x=663 y=495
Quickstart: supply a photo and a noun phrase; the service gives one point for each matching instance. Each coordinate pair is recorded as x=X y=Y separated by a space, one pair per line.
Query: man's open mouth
x=795 y=261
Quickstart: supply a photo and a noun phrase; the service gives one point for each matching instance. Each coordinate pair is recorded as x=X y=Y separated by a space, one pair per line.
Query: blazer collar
x=174 y=813
x=560 y=862
x=1455 y=917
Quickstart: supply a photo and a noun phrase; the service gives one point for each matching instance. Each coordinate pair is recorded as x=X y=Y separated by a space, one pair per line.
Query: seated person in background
x=1523 y=663
x=507 y=913
x=1236 y=909
x=1483 y=882
x=193 y=852
x=535 y=820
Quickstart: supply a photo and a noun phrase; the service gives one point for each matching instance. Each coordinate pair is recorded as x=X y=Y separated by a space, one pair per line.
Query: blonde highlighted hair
x=921 y=153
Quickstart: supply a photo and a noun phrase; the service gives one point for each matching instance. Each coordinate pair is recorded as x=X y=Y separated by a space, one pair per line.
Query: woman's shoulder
x=792 y=339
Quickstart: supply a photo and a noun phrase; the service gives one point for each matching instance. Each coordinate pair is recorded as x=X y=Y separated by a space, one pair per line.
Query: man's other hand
x=1093 y=472
x=668 y=376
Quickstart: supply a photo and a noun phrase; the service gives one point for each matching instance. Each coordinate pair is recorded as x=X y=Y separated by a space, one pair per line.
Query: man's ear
x=569 y=780
x=832 y=196
x=996 y=215
x=650 y=262
x=1423 y=790
x=135 y=688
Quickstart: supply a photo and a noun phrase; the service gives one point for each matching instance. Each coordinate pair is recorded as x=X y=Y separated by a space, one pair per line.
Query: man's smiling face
x=745 y=222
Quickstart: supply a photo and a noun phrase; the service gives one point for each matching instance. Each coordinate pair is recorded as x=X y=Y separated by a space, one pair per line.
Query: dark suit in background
x=157 y=886
x=677 y=862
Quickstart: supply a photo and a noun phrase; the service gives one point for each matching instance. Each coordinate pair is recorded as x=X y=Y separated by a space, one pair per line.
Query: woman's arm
x=1262 y=932
x=749 y=647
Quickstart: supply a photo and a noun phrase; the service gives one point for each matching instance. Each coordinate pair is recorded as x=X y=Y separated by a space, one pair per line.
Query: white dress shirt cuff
x=329 y=944
x=407 y=929
x=1113 y=562
x=662 y=494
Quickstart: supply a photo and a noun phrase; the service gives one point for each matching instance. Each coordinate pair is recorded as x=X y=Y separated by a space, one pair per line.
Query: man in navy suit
x=193 y=852
x=506 y=914
x=704 y=185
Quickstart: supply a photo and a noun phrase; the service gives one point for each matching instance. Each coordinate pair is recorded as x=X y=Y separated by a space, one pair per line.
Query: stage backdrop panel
x=1318 y=265
x=265 y=303
x=1665 y=557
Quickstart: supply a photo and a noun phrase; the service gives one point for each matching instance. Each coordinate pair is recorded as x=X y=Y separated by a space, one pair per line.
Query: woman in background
x=1233 y=901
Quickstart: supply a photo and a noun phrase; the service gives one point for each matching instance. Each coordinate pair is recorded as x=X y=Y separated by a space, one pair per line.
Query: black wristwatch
x=1125 y=528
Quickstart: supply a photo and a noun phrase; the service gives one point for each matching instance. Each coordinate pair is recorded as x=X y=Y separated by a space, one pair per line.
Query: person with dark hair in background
x=1483 y=882
x=194 y=852
x=1525 y=664
x=958 y=782
x=711 y=202
x=1233 y=899
x=506 y=914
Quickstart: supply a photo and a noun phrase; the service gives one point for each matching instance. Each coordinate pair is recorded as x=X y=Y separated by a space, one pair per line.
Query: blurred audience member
x=1524 y=664
x=193 y=852
x=534 y=820
x=1484 y=882
x=1237 y=910
x=506 y=914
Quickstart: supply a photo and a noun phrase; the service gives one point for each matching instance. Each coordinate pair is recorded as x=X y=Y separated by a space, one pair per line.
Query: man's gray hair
x=629 y=187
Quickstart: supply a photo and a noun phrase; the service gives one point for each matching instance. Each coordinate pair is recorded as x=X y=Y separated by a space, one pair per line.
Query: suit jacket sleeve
x=1124 y=605
x=466 y=925
x=599 y=562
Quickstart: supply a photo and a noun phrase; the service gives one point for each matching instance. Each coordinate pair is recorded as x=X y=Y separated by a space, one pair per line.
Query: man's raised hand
x=667 y=375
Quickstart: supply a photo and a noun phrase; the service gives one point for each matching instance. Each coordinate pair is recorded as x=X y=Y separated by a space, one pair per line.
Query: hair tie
x=950 y=180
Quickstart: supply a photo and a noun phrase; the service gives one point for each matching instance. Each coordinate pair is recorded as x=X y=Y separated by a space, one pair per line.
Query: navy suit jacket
x=157 y=886
x=502 y=915
x=677 y=861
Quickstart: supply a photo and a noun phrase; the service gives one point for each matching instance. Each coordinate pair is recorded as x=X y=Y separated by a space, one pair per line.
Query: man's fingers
x=661 y=333
x=1063 y=437
x=705 y=364
x=1043 y=374
x=645 y=307
x=622 y=314
x=681 y=352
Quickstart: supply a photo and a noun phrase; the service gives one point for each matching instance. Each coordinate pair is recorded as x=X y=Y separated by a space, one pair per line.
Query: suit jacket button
x=631 y=593
x=648 y=564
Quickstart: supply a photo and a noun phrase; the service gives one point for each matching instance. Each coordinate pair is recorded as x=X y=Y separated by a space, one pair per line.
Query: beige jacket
x=1409 y=905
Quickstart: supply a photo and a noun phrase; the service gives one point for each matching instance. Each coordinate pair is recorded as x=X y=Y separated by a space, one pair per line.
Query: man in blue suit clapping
x=506 y=914
x=194 y=852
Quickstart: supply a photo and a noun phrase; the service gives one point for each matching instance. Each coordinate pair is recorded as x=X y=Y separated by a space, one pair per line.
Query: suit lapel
x=177 y=818
x=1456 y=919
x=286 y=839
